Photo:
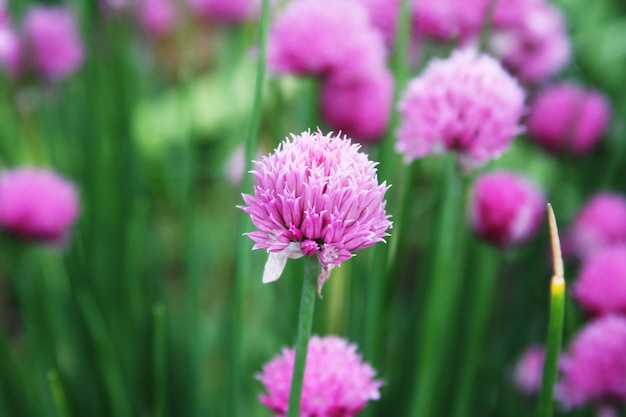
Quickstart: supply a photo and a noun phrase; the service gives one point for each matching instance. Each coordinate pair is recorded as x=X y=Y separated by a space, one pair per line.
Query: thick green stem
x=441 y=302
x=555 y=334
x=483 y=286
x=305 y=324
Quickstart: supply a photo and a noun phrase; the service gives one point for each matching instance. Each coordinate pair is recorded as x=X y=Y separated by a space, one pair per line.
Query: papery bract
x=336 y=380
x=316 y=195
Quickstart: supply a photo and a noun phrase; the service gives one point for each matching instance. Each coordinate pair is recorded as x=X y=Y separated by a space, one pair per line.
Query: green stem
x=243 y=269
x=58 y=394
x=555 y=334
x=158 y=358
x=483 y=287
x=383 y=254
x=442 y=298
x=305 y=324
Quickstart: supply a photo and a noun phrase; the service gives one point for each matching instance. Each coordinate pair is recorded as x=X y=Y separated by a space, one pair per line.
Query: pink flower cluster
x=157 y=17
x=226 y=10
x=336 y=380
x=467 y=104
x=528 y=372
x=594 y=368
x=531 y=38
x=600 y=223
x=505 y=208
x=316 y=195
x=336 y=41
x=49 y=44
x=569 y=117
x=37 y=204
x=448 y=19
x=601 y=284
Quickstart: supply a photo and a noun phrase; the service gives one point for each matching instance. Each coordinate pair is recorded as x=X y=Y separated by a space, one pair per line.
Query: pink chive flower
x=594 y=368
x=384 y=17
x=531 y=38
x=466 y=103
x=37 y=204
x=231 y=11
x=528 y=372
x=600 y=223
x=446 y=20
x=336 y=380
x=360 y=109
x=325 y=38
x=505 y=208
x=601 y=284
x=53 y=41
x=568 y=117
x=157 y=17
x=316 y=195
x=10 y=50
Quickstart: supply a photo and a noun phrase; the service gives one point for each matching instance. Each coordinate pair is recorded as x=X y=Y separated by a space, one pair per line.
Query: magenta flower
x=231 y=11
x=325 y=38
x=157 y=17
x=594 y=369
x=601 y=284
x=505 y=208
x=528 y=372
x=10 y=50
x=466 y=103
x=53 y=41
x=601 y=222
x=316 y=195
x=336 y=380
x=446 y=20
x=569 y=117
x=37 y=204
x=531 y=38
x=360 y=109
x=384 y=17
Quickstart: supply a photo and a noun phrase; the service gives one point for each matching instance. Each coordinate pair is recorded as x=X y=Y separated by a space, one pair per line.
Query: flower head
x=601 y=283
x=448 y=19
x=53 y=41
x=594 y=369
x=569 y=117
x=529 y=370
x=336 y=380
x=505 y=208
x=360 y=109
x=157 y=17
x=531 y=37
x=466 y=103
x=324 y=38
x=601 y=222
x=226 y=10
x=316 y=195
x=37 y=204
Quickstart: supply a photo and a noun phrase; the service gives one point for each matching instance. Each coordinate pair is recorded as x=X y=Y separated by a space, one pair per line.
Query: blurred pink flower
x=10 y=50
x=316 y=195
x=601 y=222
x=531 y=38
x=325 y=38
x=360 y=109
x=336 y=380
x=53 y=41
x=467 y=104
x=231 y=11
x=447 y=20
x=37 y=204
x=505 y=208
x=568 y=117
x=594 y=368
x=601 y=284
x=384 y=17
x=529 y=370
x=157 y=17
